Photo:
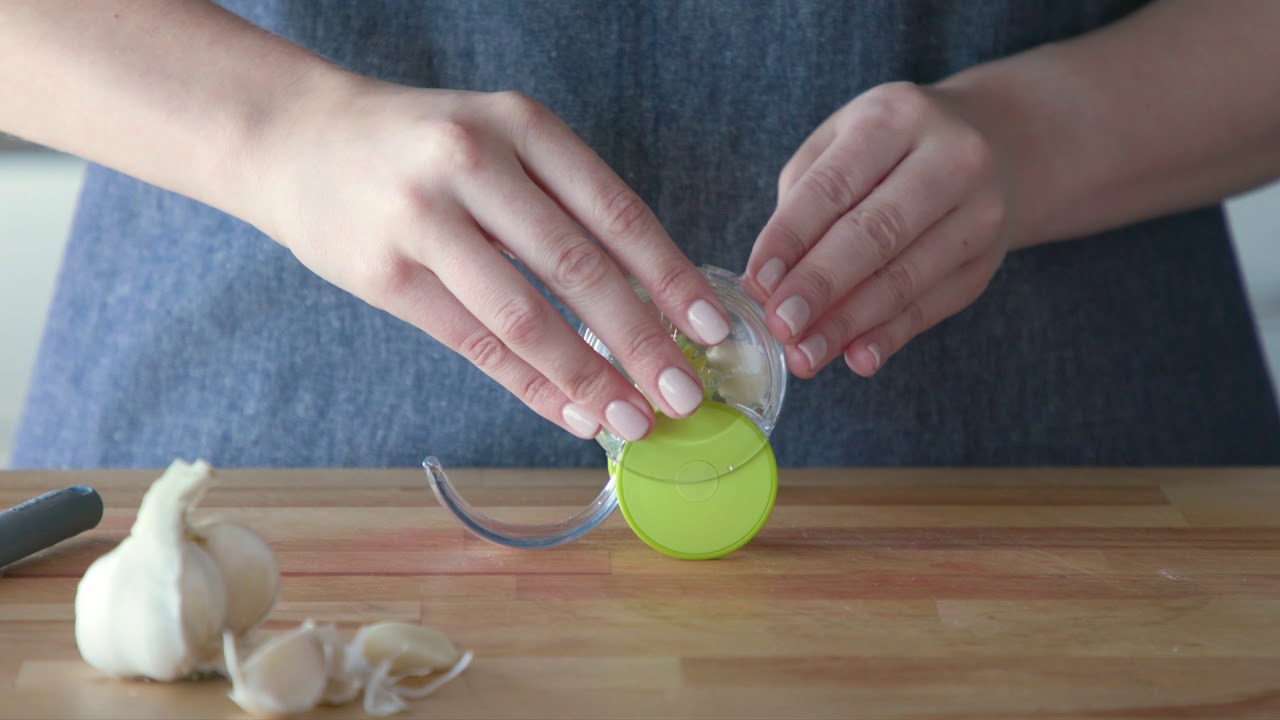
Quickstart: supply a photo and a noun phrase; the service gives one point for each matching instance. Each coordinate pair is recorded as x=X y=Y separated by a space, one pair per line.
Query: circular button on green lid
x=701 y=487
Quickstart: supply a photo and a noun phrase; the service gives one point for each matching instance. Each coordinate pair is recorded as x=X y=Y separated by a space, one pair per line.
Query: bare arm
x=178 y=94
x=897 y=211
x=405 y=197
x=1174 y=107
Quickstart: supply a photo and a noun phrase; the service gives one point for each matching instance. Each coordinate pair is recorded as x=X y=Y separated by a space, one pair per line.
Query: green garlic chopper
x=694 y=488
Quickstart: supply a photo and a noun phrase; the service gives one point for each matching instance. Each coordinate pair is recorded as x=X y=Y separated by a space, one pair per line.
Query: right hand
x=408 y=198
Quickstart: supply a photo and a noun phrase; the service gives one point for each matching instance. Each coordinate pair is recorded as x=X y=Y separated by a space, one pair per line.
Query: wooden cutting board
x=870 y=594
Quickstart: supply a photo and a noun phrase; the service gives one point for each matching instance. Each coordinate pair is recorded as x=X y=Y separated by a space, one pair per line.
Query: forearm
x=179 y=94
x=1175 y=107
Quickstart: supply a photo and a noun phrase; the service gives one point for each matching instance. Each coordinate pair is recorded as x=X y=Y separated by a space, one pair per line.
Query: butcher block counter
x=1011 y=593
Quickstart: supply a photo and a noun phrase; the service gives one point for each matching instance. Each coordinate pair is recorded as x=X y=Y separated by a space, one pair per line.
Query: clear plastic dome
x=746 y=372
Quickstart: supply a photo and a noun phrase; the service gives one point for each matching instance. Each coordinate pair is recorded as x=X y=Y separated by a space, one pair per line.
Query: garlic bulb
x=157 y=604
x=163 y=602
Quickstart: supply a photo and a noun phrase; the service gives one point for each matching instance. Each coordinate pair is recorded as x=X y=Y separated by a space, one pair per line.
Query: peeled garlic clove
x=409 y=649
x=741 y=368
x=285 y=676
x=248 y=568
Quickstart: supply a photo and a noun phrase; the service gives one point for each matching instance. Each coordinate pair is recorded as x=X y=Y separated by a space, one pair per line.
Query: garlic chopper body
x=695 y=488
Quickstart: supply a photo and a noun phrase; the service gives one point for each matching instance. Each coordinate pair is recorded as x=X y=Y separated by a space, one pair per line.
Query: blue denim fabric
x=179 y=331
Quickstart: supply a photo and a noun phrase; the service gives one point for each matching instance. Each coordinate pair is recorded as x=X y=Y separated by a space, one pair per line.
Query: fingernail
x=794 y=311
x=815 y=348
x=868 y=358
x=679 y=390
x=578 y=421
x=771 y=274
x=626 y=420
x=710 y=326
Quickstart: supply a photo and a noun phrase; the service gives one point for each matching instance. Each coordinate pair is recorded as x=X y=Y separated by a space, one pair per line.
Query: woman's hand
x=891 y=217
x=410 y=198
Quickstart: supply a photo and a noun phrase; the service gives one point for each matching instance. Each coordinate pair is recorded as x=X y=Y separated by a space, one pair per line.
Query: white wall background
x=38 y=192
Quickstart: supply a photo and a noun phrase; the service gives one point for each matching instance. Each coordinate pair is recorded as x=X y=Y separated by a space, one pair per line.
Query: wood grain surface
x=870 y=594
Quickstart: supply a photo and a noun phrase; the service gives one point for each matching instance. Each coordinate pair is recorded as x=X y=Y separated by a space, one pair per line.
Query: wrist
x=272 y=133
x=999 y=102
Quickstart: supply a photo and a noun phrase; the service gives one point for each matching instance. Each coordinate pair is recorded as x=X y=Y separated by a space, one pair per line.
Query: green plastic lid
x=701 y=487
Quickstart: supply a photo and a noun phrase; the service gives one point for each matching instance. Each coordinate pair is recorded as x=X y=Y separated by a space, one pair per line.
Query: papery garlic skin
x=388 y=652
x=156 y=605
x=345 y=681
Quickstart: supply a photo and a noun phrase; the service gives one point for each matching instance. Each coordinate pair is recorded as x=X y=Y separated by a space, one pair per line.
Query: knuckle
x=785 y=240
x=521 y=110
x=786 y=180
x=458 y=146
x=517 y=104
x=818 y=285
x=579 y=266
x=521 y=320
x=900 y=282
x=972 y=152
x=383 y=277
x=898 y=105
x=845 y=328
x=537 y=391
x=587 y=383
x=624 y=216
x=990 y=215
x=882 y=226
x=830 y=184
x=484 y=350
x=672 y=283
x=917 y=322
x=641 y=341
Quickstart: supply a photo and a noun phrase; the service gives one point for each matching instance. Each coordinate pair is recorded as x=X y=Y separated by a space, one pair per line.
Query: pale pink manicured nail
x=815 y=348
x=874 y=351
x=679 y=390
x=578 y=421
x=794 y=311
x=868 y=358
x=626 y=420
x=710 y=326
x=771 y=274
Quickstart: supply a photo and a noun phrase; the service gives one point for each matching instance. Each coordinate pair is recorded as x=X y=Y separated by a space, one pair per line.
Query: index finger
x=839 y=178
x=610 y=211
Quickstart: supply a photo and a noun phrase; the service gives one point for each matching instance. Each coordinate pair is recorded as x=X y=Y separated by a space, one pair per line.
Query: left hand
x=891 y=217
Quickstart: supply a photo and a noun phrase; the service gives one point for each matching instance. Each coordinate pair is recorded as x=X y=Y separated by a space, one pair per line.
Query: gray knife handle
x=47 y=520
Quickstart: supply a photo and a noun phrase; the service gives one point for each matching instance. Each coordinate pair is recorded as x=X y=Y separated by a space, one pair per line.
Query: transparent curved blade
x=519 y=535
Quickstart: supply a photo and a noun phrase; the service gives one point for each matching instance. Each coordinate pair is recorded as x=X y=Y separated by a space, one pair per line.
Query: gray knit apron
x=177 y=331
